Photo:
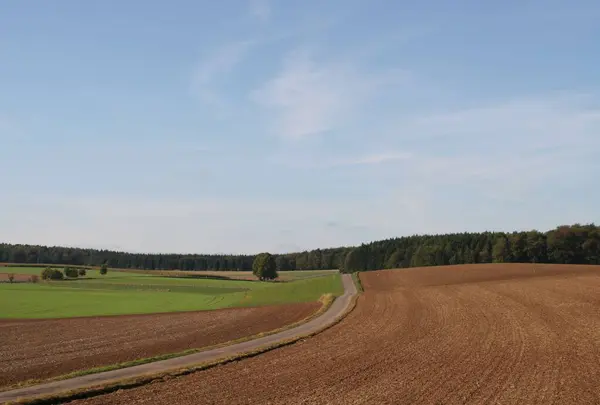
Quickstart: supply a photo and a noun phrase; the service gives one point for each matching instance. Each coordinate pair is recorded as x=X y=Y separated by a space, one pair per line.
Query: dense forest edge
x=568 y=244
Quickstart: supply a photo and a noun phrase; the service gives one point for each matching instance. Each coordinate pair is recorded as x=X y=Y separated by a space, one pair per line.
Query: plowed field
x=481 y=334
x=16 y=277
x=45 y=348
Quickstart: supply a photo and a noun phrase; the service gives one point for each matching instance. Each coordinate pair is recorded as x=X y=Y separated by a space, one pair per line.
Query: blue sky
x=272 y=125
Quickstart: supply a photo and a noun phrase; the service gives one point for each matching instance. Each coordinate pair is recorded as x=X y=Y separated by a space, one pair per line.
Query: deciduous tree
x=264 y=267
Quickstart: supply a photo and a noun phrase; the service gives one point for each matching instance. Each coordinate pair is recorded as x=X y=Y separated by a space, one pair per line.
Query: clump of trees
x=52 y=274
x=103 y=269
x=264 y=267
x=71 y=272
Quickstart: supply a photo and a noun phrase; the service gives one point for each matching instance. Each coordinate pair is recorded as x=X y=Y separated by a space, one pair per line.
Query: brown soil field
x=478 y=334
x=18 y=277
x=39 y=349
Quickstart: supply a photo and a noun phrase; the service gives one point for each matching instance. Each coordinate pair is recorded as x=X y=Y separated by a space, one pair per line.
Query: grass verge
x=326 y=300
x=90 y=392
x=357 y=282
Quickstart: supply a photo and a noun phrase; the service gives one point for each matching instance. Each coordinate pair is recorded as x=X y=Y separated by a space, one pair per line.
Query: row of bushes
x=53 y=273
x=50 y=273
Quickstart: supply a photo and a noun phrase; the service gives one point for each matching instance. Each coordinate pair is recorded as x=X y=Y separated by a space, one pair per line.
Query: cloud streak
x=213 y=67
x=364 y=160
x=375 y=159
x=311 y=98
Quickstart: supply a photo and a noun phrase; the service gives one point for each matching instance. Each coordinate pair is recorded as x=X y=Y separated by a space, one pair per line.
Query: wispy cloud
x=508 y=151
x=502 y=167
x=260 y=9
x=374 y=159
x=214 y=66
x=319 y=161
x=516 y=128
x=362 y=160
x=310 y=98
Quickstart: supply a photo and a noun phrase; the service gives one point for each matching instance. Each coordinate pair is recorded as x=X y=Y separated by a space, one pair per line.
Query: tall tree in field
x=264 y=267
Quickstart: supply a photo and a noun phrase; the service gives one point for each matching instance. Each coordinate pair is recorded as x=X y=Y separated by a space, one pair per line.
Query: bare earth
x=480 y=334
x=39 y=349
x=17 y=277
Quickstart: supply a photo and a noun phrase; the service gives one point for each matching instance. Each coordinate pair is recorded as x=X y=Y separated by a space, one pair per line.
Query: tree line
x=574 y=244
x=570 y=244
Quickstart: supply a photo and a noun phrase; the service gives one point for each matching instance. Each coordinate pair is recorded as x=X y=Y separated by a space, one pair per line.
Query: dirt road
x=338 y=307
x=44 y=348
x=482 y=334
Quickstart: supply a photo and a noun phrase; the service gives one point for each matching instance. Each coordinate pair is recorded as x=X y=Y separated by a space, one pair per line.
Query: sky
x=280 y=125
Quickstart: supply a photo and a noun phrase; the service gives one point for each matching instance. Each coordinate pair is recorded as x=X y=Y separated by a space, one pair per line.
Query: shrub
x=82 y=272
x=47 y=273
x=34 y=279
x=52 y=274
x=104 y=269
x=57 y=275
x=71 y=272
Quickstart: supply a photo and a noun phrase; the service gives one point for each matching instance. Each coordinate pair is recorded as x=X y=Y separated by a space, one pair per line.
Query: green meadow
x=120 y=292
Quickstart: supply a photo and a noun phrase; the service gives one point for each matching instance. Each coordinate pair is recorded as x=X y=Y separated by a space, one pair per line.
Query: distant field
x=121 y=292
x=231 y=274
x=235 y=275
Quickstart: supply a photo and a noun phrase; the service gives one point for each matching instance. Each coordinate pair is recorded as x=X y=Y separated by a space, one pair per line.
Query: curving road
x=337 y=309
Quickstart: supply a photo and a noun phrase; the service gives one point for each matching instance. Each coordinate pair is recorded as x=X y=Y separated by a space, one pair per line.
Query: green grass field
x=120 y=292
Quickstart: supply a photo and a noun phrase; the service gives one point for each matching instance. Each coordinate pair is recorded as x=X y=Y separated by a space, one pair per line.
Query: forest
x=570 y=244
